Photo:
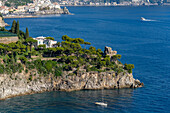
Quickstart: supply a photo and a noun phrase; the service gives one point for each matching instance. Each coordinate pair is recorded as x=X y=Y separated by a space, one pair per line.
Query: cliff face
x=20 y=84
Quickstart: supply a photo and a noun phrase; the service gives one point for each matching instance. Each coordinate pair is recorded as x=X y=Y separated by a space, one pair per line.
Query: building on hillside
x=4 y=10
x=136 y=1
x=8 y=37
x=43 y=41
x=21 y=8
x=0 y=3
x=56 y=5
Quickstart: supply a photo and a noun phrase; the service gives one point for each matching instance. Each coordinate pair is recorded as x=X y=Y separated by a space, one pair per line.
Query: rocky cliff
x=21 y=83
x=2 y=23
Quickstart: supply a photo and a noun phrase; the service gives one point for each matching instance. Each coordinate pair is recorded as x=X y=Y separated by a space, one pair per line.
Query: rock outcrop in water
x=21 y=84
x=51 y=12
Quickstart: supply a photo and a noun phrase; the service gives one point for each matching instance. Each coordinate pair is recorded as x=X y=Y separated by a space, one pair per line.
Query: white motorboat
x=101 y=104
x=143 y=19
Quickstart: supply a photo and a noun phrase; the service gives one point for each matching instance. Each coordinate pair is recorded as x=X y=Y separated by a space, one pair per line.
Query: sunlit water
x=145 y=44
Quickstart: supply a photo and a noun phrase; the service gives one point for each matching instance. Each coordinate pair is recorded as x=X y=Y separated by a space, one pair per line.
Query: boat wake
x=149 y=20
x=101 y=104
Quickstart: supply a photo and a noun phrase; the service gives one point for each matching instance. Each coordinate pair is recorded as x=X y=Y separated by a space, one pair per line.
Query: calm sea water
x=145 y=44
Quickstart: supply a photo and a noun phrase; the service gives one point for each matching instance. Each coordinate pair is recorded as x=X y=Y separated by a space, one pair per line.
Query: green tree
x=21 y=35
x=17 y=28
x=129 y=67
x=67 y=38
x=75 y=46
x=60 y=50
x=116 y=57
x=70 y=59
x=13 y=28
x=1 y=49
x=92 y=48
x=30 y=41
x=101 y=64
x=87 y=43
x=43 y=46
x=52 y=51
x=58 y=72
x=27 y=33
x=48 y=66
x=107 y=59
x=99 y=51
x=2 y=69
x=21 y=46
x=23 y=59
x=49 y=38
x=58 y=44
x=78 y=40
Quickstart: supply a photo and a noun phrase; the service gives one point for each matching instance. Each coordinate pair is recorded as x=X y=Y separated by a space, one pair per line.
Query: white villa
x=42 y=40
x=46 y=3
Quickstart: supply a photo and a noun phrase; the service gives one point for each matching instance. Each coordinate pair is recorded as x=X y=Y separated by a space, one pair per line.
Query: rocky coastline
x=19 y=84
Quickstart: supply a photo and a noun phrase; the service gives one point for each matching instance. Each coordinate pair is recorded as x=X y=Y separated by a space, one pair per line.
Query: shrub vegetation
x=69 y=55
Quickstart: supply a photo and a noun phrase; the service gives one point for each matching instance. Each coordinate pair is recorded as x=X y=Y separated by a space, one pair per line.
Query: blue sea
x=146 y=44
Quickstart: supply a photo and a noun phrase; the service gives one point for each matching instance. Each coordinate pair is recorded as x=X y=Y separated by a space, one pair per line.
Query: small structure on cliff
x=2 y=23
x=7 y=37
x=109 y=51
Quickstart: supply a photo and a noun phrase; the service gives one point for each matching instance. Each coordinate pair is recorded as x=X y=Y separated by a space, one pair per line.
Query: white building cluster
x=36 y=6
x=0 y=3
x=46 y=3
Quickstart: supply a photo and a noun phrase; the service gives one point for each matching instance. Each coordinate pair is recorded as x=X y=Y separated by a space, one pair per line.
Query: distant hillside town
x=35 y=7
x=111 y=2
x=56 y=3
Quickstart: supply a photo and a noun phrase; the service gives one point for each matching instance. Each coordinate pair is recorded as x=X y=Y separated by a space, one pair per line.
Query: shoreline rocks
x=2 y=23
x=19 y=84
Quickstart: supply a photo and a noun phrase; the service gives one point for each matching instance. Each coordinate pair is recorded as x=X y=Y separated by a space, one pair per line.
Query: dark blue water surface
x=145 y=44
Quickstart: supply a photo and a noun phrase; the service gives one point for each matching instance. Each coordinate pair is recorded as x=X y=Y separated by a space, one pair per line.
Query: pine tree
x=27 y=33
x=17 y=28
x=13 y=26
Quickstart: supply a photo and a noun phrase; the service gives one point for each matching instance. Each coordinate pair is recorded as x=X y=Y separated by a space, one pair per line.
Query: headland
x=34 y=65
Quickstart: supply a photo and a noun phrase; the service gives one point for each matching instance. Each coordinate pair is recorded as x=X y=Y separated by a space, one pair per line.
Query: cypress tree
x=27 y=33
x=17 y=28
x=13 y=26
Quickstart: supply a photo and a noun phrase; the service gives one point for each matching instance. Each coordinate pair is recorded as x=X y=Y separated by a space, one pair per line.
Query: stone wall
x=7 y=40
